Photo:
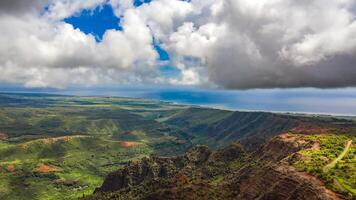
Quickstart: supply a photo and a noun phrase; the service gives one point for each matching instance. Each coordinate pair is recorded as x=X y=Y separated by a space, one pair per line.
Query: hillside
x=271 y=172
x=217 y=128
x=63 y=147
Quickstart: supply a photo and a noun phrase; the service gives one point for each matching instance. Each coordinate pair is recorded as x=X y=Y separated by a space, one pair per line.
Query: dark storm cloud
x=20 y=7
x=277 y=44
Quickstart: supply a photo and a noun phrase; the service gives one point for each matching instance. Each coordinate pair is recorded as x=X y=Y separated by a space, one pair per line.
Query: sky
x=237 y=49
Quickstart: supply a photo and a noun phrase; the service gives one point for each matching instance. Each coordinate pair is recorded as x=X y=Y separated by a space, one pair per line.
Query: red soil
x=311 y=130
x=63 y=138
x=3 y=136
x=316 y=146
x=127 y=144
x=182 y=179
x=43 y=168
x=11 y=168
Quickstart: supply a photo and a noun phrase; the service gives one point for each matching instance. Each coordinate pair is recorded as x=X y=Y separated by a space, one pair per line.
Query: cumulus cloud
x=60 y=9
x=39 y=51
x=229 y=43
x=264 y=44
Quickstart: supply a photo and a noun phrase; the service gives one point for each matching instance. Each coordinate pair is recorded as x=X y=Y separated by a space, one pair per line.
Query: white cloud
x=38 y=51
x=273 y=43
x=60 y=9
x=120 y=6
x=228 y=43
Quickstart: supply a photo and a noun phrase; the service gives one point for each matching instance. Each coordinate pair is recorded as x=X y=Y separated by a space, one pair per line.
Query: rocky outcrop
x=273 y=179
x=154 y=168
x=281 y=146
x=228 y=173
x=278 y=182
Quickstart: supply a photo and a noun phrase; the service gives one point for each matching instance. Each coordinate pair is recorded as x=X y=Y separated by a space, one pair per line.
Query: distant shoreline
x=297 y=113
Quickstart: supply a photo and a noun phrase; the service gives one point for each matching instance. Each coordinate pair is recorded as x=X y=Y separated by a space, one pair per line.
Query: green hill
x=62 y=147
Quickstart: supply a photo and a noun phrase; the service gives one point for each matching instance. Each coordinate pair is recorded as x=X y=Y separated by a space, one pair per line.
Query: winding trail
x=341 y=156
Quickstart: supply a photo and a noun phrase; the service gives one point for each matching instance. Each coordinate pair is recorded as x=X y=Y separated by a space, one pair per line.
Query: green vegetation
x=200 y=174
x=61 y=147
x=80 y=164
x=341 y=175
x=332 y=165
x=218 y=128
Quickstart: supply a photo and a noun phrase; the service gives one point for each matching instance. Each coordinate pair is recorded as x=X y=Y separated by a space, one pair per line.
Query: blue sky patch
x=101 y=19
x=96 y=21
x=138 y=3
x=169 y=71
x=163 y=54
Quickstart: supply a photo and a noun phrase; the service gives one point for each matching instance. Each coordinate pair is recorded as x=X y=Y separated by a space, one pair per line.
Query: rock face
x=228 y=173
x=274 y=179
x=154 y=168
x=281 y=146
x=279 y=182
